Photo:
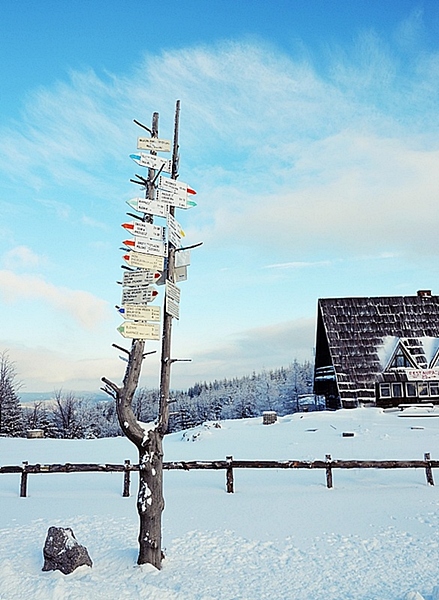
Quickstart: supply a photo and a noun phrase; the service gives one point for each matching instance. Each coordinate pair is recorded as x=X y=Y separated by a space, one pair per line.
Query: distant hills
x=31 y=397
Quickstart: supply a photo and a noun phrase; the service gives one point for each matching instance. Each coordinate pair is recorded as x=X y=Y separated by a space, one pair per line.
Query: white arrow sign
x=138 y=295
x=172 y=300
x=144 y=261
x=152 y=207
x=177 y=199
x=147 y=246
x=140 y=277
x=137 y=312
x=154 y=144
x=152 y=162
x=139 y=331
x=154 y=232
x=172 y=185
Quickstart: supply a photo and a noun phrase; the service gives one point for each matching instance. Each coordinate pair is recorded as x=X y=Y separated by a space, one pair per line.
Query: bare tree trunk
x=150 y=501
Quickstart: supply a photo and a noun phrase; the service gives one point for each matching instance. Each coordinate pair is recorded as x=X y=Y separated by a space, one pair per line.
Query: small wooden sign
x=139 y=331
x=154 y=144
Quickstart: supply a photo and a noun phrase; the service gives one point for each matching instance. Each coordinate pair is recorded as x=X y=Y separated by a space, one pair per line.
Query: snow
x=281 y=535
x=386 y=349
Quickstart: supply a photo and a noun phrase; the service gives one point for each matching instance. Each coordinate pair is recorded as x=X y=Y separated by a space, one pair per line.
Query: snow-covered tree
x=11 y=418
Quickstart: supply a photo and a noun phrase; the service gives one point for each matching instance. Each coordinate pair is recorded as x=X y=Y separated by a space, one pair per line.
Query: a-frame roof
x=354 y=335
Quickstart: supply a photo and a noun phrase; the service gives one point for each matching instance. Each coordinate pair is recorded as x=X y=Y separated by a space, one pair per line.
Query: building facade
x=381 y=351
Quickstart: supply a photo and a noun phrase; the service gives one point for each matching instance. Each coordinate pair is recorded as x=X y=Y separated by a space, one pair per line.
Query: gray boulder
x=62 y=551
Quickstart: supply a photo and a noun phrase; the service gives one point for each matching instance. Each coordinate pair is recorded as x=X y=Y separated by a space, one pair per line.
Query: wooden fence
x=228 y=465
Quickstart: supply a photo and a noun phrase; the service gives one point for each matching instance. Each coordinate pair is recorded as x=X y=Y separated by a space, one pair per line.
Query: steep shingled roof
x=352 y=334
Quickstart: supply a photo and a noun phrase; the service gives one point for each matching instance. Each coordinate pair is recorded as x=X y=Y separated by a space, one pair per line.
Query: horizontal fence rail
x=228 y=465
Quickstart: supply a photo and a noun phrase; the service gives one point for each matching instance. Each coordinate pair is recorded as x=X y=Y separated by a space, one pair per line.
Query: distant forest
x=70 y=416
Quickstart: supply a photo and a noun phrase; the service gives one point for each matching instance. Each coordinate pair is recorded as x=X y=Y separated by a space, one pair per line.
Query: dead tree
x=148 y=439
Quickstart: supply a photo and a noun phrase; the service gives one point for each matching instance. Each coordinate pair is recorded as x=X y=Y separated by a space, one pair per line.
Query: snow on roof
x=386 y=350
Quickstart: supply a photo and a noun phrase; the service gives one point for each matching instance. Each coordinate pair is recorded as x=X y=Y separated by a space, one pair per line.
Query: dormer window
x=400 y=360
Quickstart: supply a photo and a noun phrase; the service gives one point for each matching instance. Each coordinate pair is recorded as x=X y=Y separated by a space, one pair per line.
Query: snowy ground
x=282 y=535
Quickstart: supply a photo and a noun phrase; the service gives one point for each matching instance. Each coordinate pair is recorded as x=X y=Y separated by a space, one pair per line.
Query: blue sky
x=308 y=128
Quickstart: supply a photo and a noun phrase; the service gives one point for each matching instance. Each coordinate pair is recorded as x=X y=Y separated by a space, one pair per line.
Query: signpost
x=152 y=162
x=172 y=185
x=143 y=244
x=172 y=300
x=154 y=232
x=144 y=261
x=177 y=199
x=154 y=144
x=175 y=231
x=140 y=277
x=152 y=207
x=137 y=312
x=141 y=294
x=142 y=322
x=139 y=331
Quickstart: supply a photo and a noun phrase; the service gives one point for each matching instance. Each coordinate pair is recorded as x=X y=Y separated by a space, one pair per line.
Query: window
x=434 y=388
x=400 y=359
x=385 y=390
x=411 y=390
x=423 y=389
x=397 y=390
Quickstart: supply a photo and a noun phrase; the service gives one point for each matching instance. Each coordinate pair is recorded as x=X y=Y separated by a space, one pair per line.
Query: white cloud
x=299 y=265
x=22 y=256
x=285 y=155
x=44 y=370
x=87 y=309
x=253 y=350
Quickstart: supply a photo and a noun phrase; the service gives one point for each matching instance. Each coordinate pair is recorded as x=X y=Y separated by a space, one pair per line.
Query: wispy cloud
x=45 y=370
x=299 y=265
x=22 y=257
x=285 y=155
x=255 y=349
x=86 y=308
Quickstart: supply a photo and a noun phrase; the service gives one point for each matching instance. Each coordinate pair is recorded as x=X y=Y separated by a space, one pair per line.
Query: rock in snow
x=62 y=551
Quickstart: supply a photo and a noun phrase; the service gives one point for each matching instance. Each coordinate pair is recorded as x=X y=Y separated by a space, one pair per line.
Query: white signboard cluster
x=147 y=248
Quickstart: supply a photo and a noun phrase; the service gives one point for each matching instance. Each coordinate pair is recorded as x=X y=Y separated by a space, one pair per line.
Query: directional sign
x=172 y=300
x=139 y=331
x=154 y=232
x=140 y=277
x=180 y=274
x=175 y=231
x=152 y=207
x=172 y=185
x=139 y=295
x=154 y=144
x=152 y=162
x=183 y=258
x=177 y=199
x=147 y=246
x=144 y=261
x=137 y=312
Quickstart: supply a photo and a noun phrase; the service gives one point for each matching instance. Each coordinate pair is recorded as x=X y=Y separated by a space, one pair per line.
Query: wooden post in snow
x=150 y=501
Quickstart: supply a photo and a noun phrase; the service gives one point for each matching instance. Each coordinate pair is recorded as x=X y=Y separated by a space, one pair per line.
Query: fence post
x=23 y=483
x=428 y=470
x=126 y=479
x=328 y=471
x=229 y=475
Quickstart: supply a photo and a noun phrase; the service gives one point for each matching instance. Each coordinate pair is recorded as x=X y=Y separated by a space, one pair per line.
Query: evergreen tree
x=11 y=418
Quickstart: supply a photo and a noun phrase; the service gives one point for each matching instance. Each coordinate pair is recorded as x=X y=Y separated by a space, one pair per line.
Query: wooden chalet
x=377 y=351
